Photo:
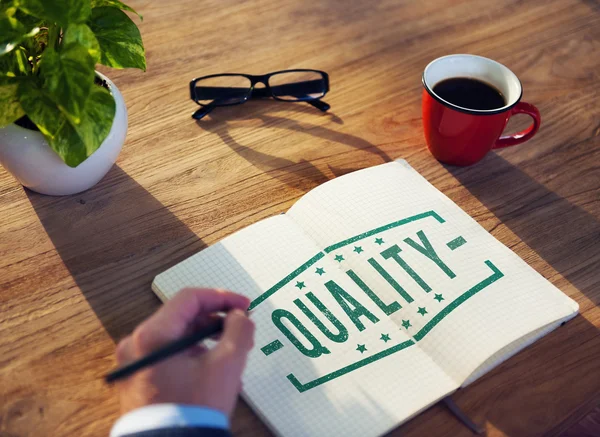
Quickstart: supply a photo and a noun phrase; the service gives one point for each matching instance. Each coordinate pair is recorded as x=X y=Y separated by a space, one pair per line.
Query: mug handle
x=524 y=135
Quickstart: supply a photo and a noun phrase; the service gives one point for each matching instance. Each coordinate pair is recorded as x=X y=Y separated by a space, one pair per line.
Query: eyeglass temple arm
x=202 y=112
x=319 y=104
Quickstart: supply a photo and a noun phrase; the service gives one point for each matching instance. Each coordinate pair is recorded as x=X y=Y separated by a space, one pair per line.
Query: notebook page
x=464 y=295
x=315 y=369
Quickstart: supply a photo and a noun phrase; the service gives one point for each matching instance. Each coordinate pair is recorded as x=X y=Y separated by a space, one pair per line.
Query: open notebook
x=374 y=297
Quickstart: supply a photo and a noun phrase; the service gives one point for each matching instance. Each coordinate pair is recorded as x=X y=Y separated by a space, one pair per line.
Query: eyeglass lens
x=298 y=85
x=222 y=90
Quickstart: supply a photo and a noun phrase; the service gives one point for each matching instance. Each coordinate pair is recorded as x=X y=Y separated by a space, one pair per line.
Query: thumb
x=238 y=334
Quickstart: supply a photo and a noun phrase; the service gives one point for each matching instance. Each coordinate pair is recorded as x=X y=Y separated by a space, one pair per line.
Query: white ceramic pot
x=26 y=154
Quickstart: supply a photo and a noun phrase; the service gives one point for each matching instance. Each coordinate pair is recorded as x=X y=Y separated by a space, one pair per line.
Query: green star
x=339 y=258
x=422 y=311
x=300 y=285
x=439 y=297
x=358 y=249
x=320 y=271
x=385 y=337
x=361 y=348
x=406 y=323
x=379 y=241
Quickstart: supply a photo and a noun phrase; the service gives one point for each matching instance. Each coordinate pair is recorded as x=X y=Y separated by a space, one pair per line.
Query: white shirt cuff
x=168 y=416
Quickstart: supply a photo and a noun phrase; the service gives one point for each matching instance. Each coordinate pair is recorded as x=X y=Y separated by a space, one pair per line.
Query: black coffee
x=470 y=93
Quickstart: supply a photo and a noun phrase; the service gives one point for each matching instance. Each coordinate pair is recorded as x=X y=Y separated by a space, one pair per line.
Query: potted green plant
x=62 y=124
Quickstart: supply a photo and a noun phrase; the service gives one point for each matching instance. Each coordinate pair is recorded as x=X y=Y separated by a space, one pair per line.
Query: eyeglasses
x=233 y=89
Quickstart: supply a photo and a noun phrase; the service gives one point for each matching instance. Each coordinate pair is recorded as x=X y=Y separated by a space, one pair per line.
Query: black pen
x=165 y=352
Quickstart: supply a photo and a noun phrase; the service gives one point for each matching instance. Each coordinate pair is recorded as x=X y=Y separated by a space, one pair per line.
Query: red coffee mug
x=462 y=136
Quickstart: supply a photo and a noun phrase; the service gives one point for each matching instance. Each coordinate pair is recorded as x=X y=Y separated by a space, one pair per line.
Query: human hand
x=198 y=376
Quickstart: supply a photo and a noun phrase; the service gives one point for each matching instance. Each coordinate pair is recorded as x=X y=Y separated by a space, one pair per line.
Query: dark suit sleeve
x=182 y=432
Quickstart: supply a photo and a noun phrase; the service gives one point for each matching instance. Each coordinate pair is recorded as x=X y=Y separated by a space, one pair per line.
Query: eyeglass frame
x=264 y=79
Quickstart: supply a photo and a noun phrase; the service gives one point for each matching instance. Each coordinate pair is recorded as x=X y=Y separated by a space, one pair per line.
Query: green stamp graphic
x=312 y=327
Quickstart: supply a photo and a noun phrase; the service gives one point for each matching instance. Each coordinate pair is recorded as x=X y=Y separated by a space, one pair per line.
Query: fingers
x=189 y=303
x=124 y=352
x=231 y=353
x=196 y=351
x=175 y=318
x=205 y=321
x=238 y=335
x=210 y=300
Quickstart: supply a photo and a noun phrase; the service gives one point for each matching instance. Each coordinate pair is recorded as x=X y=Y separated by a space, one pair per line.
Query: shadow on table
x=563 y=234
x=114 y=238
x=546 y=383
x=593 y=4
x=301 y=175
x=567 y=237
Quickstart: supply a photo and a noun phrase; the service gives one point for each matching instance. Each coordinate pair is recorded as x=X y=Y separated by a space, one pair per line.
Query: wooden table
x=76 y=271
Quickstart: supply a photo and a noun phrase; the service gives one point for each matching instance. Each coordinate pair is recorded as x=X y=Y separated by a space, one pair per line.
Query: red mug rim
x=505 y=108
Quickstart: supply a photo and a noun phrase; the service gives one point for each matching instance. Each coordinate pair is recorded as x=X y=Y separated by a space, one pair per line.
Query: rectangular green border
x=497 y=274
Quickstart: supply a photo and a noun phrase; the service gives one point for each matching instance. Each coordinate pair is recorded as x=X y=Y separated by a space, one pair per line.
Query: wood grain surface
x=75 y=272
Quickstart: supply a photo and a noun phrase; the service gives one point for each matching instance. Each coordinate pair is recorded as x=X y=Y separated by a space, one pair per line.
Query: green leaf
x=83 y=35
x=29 y=21
x=14 y=64
x=119 y=38
x=12 y=32
x=63 y=12
x=73 y=143
x=115 y=4
x=11 y=107
x=69 y=76
x=97 y=119
x=41 y=109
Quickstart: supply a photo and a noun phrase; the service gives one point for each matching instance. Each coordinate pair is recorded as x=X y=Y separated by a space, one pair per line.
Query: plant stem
x=53 y=35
